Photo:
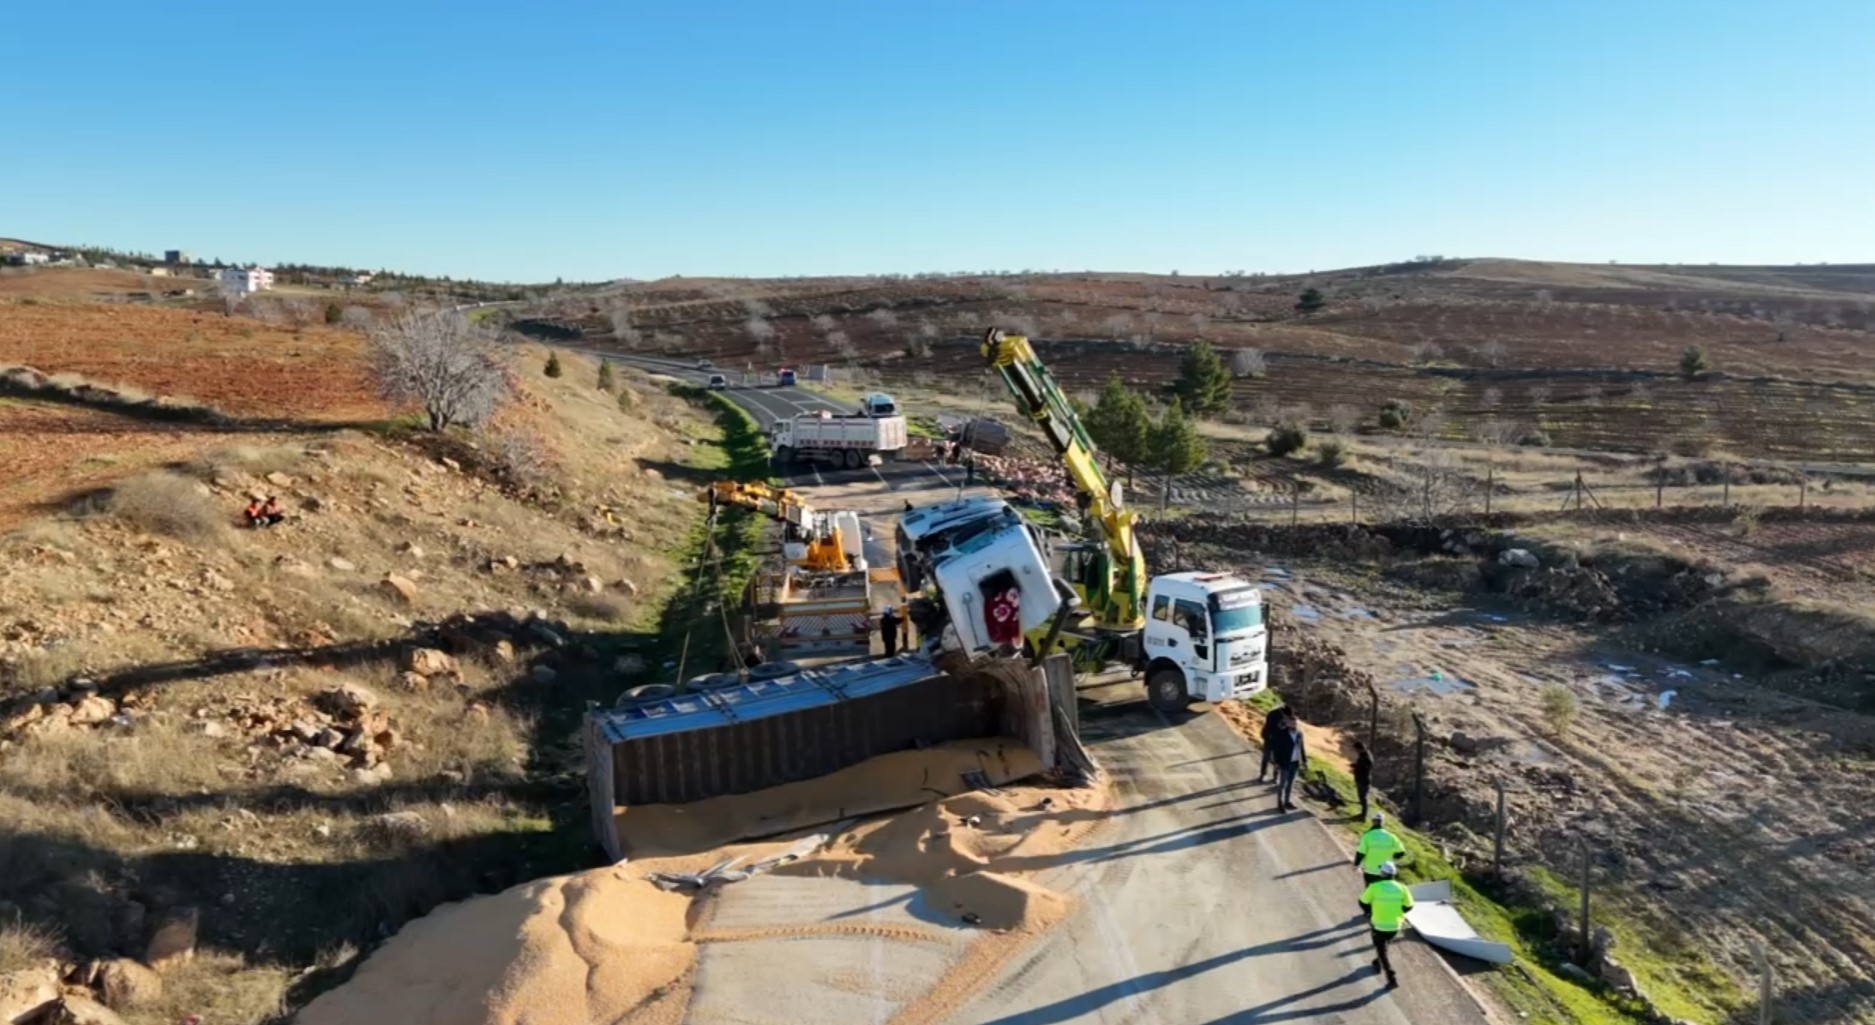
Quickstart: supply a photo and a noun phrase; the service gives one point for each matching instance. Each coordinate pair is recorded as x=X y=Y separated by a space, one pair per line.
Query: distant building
x=245 y=280
x=176 y=256
x=159 y=272
x=360 y=279
x=29 y=259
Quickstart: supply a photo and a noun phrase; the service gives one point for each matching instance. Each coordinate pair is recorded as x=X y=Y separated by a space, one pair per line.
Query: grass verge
x=1680 y=981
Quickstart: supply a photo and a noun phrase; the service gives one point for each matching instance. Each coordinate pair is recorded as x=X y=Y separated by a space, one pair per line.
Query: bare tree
x=1491 y=397
x=883 y=317
x=1343 y=418
x=1199 y=324
x=358 y=318
x=1494 y=354
x=442 y=361
x=1248 y=363
x=761 y=331
x=1425 y=352
x=840 y=343
x=231 y=297
x=624 y=330
x=824 y=323
x=1119 y=325
x=1495 y=432
x=1539 y=394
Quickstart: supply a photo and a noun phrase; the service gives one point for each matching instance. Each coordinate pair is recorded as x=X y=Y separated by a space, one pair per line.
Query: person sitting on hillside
x=253 y=516
x=271 y=513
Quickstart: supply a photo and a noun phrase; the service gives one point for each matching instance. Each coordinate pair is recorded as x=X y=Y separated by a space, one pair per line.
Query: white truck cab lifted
x=989 y=569
x=1205 y=639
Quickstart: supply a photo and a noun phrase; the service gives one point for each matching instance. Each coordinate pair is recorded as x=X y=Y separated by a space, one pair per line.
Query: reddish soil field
x=235 y=364
x=53 y=452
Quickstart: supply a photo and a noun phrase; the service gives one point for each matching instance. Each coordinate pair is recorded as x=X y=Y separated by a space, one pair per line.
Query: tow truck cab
x=1205 y=639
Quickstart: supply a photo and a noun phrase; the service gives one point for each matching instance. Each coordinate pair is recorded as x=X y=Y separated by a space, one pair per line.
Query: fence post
x=1419 y=769
x=1803 y=492
x=1660 y=481
x=1490 y=476
x=1728 y=487
x=1295 y=501
x=1765 y=993
x=1582 y=939
x=1497 y=850
x=1373 y=716
x=1354 y=506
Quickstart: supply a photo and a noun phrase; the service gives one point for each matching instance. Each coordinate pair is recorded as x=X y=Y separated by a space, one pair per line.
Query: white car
x=718 y=382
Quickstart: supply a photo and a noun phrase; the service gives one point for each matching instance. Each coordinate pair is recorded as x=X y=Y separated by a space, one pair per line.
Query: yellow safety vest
x=1378 y=847
x=1388 y=901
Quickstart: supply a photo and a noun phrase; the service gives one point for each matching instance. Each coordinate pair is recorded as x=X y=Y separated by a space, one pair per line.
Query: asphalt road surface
x=1197 y=905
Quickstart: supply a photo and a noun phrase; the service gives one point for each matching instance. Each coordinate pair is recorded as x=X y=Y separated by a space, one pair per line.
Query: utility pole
x=1497 y=851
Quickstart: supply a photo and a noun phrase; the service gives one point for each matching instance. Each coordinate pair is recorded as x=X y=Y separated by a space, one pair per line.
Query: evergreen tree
x=1203 y=380
x=552 y=368
x=1693 y=362
x=1175 y=447
x=1310 y=300
x=606 y=379
x=1119 y=424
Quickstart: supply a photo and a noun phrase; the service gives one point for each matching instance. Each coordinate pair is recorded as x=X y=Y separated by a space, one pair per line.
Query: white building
x=28 y=259
x=245 y=280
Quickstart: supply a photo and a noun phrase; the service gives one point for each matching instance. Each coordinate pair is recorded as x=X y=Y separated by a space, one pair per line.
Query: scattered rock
x=452 y=464
x=399 y=587
x=1464 y=743
x=416 y=683
x=92 y=710
x=77 y=1010
x=428 y=661
x=350 y=698
x=174 y=940
x=503 y=652
x=546 y=635
x=400 y=825
x=595 y=585
x=126 y=984
x=628 y=587
x=411 y=549
x=279 y=480
x=328 y=737
x=210 y=728
x=342 y=565
x=1618 y=975
x=295 y=567
x=543 y=674
x=27 y=992
x=374 y=775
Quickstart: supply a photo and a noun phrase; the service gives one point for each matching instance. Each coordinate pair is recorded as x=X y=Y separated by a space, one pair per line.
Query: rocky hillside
x=235 y=756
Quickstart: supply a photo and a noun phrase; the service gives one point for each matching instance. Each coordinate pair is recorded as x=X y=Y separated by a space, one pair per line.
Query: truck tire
x=854 y=459
x=1165 y=689
x=784 y=456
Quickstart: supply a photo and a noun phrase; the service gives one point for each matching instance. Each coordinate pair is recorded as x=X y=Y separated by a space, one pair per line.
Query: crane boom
x=1116 y=580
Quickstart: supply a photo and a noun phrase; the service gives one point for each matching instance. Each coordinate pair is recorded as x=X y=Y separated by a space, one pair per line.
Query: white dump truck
x=850 y=441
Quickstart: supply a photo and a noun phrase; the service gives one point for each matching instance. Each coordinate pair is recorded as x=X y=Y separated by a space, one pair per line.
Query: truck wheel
x=854 y=459
x=784 y=456
x=1165 y=689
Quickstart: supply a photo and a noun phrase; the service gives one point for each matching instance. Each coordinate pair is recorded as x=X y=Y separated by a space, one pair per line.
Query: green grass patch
x=1676 y=976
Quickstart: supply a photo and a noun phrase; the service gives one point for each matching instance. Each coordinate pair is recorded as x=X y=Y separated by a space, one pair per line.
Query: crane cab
x=1205 y=639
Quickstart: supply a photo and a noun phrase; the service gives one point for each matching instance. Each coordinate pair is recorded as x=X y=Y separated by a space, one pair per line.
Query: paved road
x=1197 y=905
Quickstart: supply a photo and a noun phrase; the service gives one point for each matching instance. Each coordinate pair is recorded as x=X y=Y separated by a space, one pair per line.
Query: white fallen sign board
x=1435 y=918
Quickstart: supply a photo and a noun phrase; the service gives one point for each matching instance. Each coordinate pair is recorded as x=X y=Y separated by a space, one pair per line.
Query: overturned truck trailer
x=765 y=733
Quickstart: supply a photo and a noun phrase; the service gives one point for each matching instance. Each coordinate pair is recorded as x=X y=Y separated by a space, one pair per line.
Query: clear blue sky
x=526 y=141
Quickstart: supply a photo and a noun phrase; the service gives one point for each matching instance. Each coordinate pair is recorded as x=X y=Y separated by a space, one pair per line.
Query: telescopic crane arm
x=1117 y=586
x=826 y=549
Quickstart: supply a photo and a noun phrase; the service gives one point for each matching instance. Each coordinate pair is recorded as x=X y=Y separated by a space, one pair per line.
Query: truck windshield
x=1232 y=611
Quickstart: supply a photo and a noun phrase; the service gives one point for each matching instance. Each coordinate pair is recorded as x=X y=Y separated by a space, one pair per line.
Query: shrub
x=1331 y=454
x=625 y=400
x=1248 y=363
x=165 y=503
x=608 y=379
x=24 y=945
x=1287 y=437
x=553 y=368
x=1395 y=414
x=1535 y=439
x=334 y=313
x=1559 y=708
x=1692 y=446
x=522 y=458
x=1693 y=362
x=603 y=608
x=1310 y=301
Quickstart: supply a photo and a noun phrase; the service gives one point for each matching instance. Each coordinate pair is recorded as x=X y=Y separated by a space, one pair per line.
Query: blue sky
x=527 y=141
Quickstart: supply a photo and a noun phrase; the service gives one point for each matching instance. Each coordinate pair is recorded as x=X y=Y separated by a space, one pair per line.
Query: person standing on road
x=1288 y=754
x=1386 y=901
x=888 y=630
x=1376 y=851
x=1271 y=723
x=1363 y=774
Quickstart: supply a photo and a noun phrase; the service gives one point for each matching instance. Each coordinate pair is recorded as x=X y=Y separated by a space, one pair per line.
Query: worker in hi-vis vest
x=1377 y=848
x=1387 y=901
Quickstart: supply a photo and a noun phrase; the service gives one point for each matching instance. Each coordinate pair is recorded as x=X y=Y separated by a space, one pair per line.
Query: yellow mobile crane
x=822 y=533
x=1205 y=638
x=1109 y=573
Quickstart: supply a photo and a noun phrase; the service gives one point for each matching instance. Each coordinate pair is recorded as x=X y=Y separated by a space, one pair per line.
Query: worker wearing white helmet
x=1378 y=847
x=1387 y=901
